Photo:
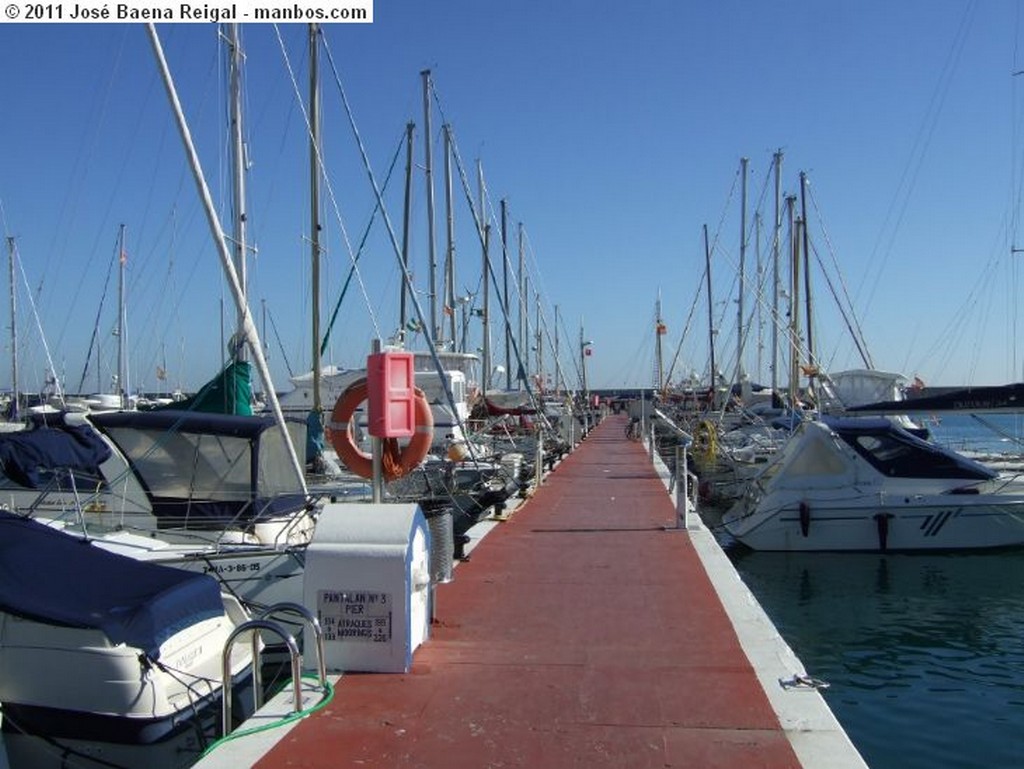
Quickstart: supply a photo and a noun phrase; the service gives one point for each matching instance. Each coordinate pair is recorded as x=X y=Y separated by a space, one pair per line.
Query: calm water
x=924 y=653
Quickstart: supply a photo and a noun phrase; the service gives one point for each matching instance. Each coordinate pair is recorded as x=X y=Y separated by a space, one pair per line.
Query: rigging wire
x=908 y=179
x=320 y=163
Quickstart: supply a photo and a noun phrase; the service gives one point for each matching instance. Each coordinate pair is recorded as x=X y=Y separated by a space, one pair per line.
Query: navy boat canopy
x=898 y=453
x=235 y=425
x=53 y=577
x=30 y=457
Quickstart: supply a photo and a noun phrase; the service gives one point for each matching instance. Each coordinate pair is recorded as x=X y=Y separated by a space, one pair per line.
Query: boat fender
x=705 y=491
x=805 y=518
x=882 y=523
x=397 y=462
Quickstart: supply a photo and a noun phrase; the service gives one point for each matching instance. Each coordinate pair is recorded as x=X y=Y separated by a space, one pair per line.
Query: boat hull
x=946 y=523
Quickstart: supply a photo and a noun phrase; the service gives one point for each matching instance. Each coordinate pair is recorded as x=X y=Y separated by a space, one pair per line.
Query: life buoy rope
x=398 y=461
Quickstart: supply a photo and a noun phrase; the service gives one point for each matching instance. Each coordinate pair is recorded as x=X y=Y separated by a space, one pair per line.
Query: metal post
x=538 y=461
x=682 y=488
x=377 y=452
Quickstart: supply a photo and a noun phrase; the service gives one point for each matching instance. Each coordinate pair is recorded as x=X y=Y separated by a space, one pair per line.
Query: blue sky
x=613 y=131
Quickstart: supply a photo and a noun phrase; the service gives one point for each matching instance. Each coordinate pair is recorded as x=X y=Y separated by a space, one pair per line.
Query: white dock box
x=367 y=580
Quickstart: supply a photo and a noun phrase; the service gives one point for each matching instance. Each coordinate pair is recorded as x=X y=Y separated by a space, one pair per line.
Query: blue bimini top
x=57 y=578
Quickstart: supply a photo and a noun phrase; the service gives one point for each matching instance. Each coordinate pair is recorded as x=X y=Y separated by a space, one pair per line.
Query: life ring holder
x=398 y=461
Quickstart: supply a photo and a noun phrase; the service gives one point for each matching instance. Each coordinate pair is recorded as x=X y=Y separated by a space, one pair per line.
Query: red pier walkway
x=584 y=632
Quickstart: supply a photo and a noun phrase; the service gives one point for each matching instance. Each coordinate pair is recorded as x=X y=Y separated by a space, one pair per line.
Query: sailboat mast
x=558 y=362
x=794 y=306
x=402 y=311
x=314 y=200
x=435 y=330
x=238 y=175
x=485 y=238
x=743 y=258
x=504 y=304
x=540 y=342
x=524 y=358
x=659 y=330
x=775 y=271
x=449 y=260
x=487 y=310
x=711 y=316
x=807 y=279
x=14 y=328
x=122 y=379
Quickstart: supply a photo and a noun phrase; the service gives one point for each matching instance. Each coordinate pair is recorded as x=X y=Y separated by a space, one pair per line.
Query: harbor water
x=923 y=654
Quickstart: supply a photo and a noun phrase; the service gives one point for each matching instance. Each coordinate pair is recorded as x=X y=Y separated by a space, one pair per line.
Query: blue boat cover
x=53 y=577
x=30 y=457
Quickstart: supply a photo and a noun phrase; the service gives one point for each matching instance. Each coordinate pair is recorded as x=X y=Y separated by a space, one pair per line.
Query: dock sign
x=355 y=615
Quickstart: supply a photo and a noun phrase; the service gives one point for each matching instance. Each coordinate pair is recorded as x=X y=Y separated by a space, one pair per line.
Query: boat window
x=277 y=474
x=903 y=456
x=817 y=457
x=189 y=466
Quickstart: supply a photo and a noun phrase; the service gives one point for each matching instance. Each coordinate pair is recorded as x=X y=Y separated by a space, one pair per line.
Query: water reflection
x=921 y=650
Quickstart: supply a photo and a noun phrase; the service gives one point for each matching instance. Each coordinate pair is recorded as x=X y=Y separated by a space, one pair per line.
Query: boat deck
x=584 y=631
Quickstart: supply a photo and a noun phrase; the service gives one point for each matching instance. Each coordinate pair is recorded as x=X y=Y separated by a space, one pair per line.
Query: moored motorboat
x=865 y=484
x=105 y=660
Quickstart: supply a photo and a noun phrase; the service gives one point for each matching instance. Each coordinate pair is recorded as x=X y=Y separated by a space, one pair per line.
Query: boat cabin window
x=903 y=456
x=188 y=465
x=815 y=457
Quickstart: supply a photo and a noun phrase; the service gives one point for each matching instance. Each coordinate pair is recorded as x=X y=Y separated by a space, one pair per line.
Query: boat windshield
x=898 y=454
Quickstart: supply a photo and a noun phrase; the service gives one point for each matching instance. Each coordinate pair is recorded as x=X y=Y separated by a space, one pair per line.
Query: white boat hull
x=946 y=523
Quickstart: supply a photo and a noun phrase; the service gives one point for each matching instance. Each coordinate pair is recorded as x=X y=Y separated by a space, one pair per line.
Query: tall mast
x=775 y=270
x=659 y=331
x=505 y=305
x=807 y=281
x=743 y=253
x=315 y=225
x=524 y=356
x=487 y=310
x=449 y=260
x=540 y=343
x=122 y=377
x=794 y=306
x=583 y=360
x=711 y=316
x=435 y=330
x=558 y=362
x=402 y=312
x=485 y=239
x=14 y=328
x=238 y=169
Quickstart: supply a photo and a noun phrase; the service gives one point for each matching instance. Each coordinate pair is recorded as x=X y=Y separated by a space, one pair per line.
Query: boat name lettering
x=187 y=660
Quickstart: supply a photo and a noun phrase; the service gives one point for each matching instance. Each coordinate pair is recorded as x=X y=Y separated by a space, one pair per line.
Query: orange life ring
x=398 y=461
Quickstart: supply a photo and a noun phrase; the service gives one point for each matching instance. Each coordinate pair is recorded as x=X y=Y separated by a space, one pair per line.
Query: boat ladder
x=254 y=626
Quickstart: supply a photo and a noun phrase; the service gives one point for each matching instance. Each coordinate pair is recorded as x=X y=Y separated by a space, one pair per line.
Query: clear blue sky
x=613 y=130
